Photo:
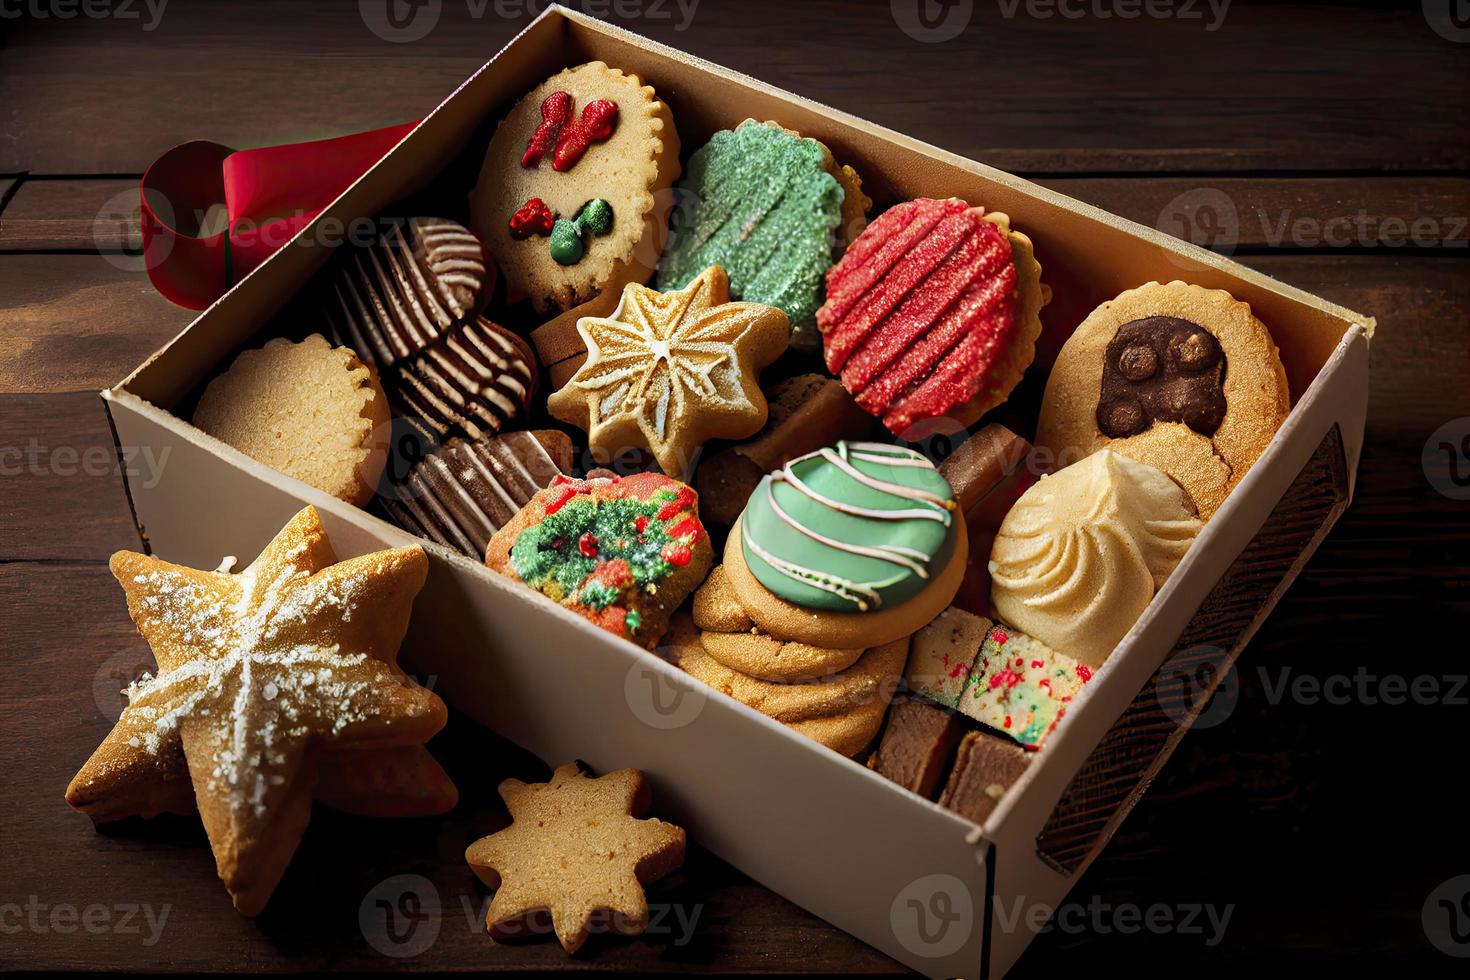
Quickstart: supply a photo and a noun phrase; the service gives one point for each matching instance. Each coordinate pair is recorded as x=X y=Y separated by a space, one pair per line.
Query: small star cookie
x=257 y=674
x=669 y=371
x=577 y=849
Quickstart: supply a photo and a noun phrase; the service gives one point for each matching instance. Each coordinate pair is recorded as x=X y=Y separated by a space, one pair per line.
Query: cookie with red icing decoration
x=571 y=199
x=622 y=551
x=933 y=311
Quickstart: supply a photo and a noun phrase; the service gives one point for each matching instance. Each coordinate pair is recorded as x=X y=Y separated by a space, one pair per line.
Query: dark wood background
x=1324 y=826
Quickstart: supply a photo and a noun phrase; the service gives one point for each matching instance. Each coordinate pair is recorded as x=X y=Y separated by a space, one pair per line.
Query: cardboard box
x=916 y=881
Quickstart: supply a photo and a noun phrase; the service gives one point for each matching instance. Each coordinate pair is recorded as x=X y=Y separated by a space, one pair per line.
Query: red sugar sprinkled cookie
x=933 y=311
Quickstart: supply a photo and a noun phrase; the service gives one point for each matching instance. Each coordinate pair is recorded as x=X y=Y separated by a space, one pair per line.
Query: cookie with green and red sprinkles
x=622 y=551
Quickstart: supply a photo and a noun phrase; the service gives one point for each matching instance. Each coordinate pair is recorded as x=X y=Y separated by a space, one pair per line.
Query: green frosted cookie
x=759 y=202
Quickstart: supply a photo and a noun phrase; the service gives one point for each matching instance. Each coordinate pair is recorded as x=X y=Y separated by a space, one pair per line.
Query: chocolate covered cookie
x=420 y=279
x=1180 y=377
x=462 y=494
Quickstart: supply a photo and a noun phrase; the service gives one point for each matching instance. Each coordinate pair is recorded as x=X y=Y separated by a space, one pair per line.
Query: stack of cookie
x=840 y=556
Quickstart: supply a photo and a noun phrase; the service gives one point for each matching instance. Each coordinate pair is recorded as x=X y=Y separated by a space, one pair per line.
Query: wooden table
x=1337 y=135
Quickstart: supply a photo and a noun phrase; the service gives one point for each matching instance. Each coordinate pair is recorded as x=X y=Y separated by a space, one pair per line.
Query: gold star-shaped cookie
x=257 y=673
x=575 y=848
x=669 y=371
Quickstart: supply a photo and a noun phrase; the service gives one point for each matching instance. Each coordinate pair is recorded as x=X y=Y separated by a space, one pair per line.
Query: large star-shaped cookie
x=257 y=672
x=575 y=848
x=669 y=371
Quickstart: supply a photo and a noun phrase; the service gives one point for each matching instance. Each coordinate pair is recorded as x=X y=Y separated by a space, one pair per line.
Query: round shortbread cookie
x=1204 y=425
x=842 y=712
x=629 y=168
x=313 y=411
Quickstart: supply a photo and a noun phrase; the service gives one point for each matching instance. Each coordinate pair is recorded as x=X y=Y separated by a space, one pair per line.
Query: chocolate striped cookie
x=465 y=492
x=471 y=381
x=395 y=298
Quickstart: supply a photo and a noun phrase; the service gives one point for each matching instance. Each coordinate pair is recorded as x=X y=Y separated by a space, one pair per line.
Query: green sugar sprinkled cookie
x=762 y=203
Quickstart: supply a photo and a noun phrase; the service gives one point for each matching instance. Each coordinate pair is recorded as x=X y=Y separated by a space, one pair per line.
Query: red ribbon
x=211 y=214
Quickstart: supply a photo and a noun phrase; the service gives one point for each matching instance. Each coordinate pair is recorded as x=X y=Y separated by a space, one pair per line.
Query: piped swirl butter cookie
x=1180 y=377
x=934 y=311
x=854 y=545
x=668 y=371
x=567 y=200
x=763 y=203
x=1081 y=554
x=623 y=552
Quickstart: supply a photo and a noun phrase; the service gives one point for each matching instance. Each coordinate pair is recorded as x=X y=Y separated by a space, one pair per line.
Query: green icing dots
x=568 y=238
x=758 y=202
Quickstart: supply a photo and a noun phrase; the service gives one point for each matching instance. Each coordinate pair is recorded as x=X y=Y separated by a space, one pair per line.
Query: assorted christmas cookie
x=579 y=852
x=572 y=197
x=806 y=413
x=731 y=637
x=462 y=494
x=842 y=711
x=988 y=471
x=995 y=674
x=985 y=768
x=765 y=204
x=258 y=672
x=666 y=372
x=934 y=311
x=1180 y=377
x=474 y=381
x=622 y=551
x=418 y=281
x=1080 y=556
x=857 y=544
x=917 y=744
x=310 y=410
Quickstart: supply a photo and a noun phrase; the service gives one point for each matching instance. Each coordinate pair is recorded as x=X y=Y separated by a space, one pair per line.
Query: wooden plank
x=1325 y=212
x=72 y=215
x=71 y=628
x=63 y=496
x=1224 y=213
x=78 y=321
x=1024 y=86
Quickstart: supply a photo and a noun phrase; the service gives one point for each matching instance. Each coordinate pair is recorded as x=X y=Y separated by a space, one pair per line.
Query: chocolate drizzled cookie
x=393 y=299
x=471 y=381
x=462 y=494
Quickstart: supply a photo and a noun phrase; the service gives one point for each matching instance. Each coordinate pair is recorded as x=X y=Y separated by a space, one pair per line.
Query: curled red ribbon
x=211 y=214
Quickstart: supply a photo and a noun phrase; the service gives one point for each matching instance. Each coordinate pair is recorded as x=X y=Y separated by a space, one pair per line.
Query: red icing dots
x=683 y=499
x=587 y=545
x=676 y=553
x=571 y=137
x=533 y=218
x=640 y=523
x=919 y=310
x=1084 y=672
